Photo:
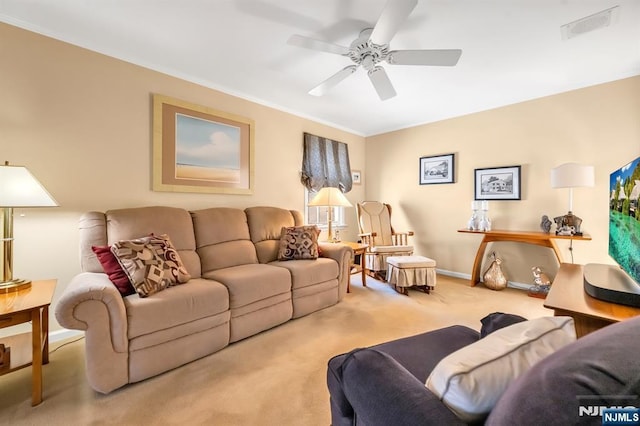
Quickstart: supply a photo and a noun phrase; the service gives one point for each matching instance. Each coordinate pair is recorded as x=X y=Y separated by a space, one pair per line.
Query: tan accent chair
x=374 y=222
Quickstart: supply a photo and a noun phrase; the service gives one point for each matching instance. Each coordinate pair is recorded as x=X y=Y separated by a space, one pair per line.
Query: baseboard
x=63 y=334
x=453 y=274
x=519 y=286
x=512 y=284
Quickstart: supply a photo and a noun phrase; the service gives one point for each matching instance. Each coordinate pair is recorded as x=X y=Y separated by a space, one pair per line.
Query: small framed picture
x=437 y=169
x=356 y=177
x=497 y=183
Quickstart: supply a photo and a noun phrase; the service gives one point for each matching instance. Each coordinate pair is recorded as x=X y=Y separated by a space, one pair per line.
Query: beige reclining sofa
x=237 y=289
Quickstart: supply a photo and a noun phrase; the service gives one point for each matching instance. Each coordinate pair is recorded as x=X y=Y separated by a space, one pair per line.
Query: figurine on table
x=542 y=283
x=545 y=224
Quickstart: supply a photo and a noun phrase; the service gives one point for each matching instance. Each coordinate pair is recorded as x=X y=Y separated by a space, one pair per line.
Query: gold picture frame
x=200 y=149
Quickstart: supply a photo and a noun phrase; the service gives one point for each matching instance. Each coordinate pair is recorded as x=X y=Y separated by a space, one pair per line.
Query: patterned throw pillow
x=151 y=263
x=299 y=242
x=174 y=267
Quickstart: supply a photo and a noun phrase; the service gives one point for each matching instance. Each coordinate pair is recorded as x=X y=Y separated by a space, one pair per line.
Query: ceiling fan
x=372 y=47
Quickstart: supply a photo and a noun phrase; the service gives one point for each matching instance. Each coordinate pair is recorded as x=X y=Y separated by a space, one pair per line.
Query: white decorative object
x=473 y=223
x=484 y=223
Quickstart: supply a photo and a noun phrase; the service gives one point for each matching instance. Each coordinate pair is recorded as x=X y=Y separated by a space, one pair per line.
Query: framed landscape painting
x=497 y=183
x=437 y=169
x=199 y=149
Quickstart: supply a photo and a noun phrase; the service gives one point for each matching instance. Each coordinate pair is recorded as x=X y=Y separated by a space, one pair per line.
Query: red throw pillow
x=113 y=270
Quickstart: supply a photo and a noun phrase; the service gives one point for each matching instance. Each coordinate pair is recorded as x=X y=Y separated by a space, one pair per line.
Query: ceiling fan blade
x=443 y=57
x=331 y=82
x=381 y=83
x=393 y=15
x=315 y=44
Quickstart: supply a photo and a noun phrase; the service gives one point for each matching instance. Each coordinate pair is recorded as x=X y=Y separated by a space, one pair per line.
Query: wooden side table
x=358 y=249
x=567 y=297
x=18 y=307
x=529 y=237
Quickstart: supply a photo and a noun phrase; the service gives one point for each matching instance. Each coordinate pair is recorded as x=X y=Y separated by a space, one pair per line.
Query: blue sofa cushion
x=498 y=320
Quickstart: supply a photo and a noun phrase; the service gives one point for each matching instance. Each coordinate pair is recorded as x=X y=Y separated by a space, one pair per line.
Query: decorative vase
x=494 y=277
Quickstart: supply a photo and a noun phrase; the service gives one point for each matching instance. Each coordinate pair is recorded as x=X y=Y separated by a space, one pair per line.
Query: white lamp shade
x=330 y=197
x=572 y=175
x=19 y=188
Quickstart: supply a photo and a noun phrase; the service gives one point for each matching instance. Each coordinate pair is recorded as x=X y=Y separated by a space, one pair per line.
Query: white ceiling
x=512 y=50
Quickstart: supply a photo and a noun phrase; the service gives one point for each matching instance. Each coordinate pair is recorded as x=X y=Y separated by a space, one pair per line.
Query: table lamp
x=18 y=188
x=330 y=197
x=571 y=175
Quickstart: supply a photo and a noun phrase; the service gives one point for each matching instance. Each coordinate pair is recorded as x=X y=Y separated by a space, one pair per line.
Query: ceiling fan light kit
x=372 y=47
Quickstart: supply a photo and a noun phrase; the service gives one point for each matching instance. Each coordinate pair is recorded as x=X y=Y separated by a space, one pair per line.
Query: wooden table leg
x=45 y=335
x=364 y=270
x=556 y=250
x=477 y=263
x=36 y=364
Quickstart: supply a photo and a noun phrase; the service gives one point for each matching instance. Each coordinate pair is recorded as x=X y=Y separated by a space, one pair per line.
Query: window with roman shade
x=325 y=163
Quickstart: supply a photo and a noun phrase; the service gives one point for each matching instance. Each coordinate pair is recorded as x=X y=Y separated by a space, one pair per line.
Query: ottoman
x=409 y=271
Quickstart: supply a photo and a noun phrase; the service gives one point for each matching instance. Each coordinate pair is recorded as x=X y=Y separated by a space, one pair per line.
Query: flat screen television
x=608 y=282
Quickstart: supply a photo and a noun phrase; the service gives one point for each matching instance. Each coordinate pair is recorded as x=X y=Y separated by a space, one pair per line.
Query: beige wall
x=599 y=125
x=81 y=122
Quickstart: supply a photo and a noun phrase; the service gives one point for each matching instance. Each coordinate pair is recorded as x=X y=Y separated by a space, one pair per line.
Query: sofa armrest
x=344 y=256
x=383 y=392
x=93 y=286
x=90 y=302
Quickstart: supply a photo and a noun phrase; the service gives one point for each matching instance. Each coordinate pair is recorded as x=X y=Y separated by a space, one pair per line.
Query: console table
x=567 y=297
x=529 y=237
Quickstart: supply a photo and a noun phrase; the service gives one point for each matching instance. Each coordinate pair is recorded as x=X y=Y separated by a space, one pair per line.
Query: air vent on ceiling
x=590 y=23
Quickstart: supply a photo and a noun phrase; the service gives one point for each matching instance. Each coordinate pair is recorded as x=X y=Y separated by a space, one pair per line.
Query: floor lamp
x=571 y=175
x=330 y=197
x=18 y=189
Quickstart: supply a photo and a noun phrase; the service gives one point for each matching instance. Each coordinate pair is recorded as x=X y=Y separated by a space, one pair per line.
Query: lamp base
x=569 y=224
x=14 y=284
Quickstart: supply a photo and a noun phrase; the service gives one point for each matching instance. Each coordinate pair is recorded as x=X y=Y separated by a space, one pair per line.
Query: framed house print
x=437 y=169
x=199 y=149
x=497 y=183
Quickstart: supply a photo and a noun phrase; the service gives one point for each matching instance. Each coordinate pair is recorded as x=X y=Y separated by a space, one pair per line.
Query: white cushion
x=403 y=262
x=471 y=380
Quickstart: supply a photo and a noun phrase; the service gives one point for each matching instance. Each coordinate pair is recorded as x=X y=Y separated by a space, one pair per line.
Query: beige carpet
x=274 y=378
